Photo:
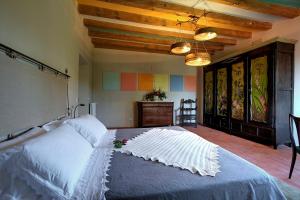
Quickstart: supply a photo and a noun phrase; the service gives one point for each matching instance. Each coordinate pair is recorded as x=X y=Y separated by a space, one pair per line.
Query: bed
x=134 y=178
x=130 y=177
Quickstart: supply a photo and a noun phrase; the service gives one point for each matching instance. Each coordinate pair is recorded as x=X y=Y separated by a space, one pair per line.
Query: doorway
x=84 y=85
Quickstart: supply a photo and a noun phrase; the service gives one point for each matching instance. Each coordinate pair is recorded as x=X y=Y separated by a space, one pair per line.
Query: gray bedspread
x=135 y=178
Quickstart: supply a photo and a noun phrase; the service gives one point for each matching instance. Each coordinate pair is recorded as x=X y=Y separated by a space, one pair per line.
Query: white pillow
x=34 y=132
x=89 y=127
x=53 y=162
x=52 y=125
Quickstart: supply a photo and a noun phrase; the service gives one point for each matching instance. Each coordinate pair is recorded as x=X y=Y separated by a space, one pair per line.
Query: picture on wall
x=259 y=89
x=145 y=82
x=111 y=81
x=237 y=95
x=128 y=81
x=209 y=85
x=176 y=83
x=222 y=92
x=190 y=83
x=161 y=81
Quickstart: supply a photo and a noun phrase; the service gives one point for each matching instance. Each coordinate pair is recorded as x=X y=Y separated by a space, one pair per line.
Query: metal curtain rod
x=15 y=54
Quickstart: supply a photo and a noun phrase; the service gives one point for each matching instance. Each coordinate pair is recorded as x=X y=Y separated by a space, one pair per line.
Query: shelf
x=189 y=109
x=188 y=116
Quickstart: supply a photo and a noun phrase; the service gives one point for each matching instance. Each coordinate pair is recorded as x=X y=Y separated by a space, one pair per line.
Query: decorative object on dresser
x=152 y=114
x=251 y=95
x=155 y=95
x=188 y=112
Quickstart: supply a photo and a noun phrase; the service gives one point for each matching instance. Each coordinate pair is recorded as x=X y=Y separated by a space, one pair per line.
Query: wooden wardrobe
x=251 y=95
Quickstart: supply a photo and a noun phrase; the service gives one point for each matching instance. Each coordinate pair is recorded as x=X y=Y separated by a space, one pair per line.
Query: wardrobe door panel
x=209 y=92
x=222 y=92
x=238 y=91
x=259 y=97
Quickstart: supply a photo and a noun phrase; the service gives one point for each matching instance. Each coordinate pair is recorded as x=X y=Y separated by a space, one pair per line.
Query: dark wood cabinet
x=251 y=94
x=151 y=114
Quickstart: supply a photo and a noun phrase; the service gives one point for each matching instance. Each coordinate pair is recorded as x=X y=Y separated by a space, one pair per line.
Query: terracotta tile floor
x=275 y=162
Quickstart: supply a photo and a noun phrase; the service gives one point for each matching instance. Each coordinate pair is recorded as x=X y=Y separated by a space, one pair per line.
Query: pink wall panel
x=128 y=81
x=190 y=83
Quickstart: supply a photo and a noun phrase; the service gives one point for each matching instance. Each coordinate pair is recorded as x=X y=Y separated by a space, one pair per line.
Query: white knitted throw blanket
x=182 y=149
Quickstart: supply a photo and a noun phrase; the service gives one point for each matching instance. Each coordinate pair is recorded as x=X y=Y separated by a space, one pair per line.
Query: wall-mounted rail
x=41 y=66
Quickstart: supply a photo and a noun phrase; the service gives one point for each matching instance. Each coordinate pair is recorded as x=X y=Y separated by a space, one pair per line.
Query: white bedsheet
x=91 y=184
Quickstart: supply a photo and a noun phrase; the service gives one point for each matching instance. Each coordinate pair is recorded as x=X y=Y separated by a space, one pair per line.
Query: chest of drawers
x=152 y=114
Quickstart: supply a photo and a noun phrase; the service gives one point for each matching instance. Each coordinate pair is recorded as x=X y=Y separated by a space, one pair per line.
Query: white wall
x=117 y=108
x=50 y=31
x=286 y=28
x=85 y=88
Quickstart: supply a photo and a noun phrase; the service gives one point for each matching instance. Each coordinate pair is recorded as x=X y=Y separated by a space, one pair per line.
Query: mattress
x=135 y=178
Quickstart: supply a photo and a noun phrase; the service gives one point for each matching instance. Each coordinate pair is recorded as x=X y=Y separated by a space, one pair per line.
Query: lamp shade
x=204 y=34
x=197 y=59
x=180 y=47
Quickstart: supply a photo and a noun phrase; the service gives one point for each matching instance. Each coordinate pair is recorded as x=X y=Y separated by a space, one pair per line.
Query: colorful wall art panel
x=190 y=83
x=111 y=81
x=132 y=81
x=145 y=82
x=128 y=81
x=222 y=92
x=209 y=86
x=237 y=95
x=259 y=89
x=176 y=83
x=161 y=81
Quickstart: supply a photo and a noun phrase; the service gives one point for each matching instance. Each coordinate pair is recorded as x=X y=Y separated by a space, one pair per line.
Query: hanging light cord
x=204 y=47
x=195 y=4
x=205 y=20
x=180 y=32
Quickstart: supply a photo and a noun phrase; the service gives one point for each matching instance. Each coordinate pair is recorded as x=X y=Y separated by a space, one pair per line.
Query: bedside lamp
x=81 y=104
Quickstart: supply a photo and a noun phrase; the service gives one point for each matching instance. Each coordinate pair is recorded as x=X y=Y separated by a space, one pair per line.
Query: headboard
x=30 y=95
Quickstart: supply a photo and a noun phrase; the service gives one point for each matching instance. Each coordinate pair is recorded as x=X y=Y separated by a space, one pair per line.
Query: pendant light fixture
x=197 y=59
x=181 y=47
x=204 y=34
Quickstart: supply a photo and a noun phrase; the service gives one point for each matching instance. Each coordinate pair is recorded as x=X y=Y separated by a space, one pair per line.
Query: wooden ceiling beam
x=262 y=7
x=117 y=47
x=130 y=44
x=137 y=18
x=175 y=9
x=133 y=29
x=138 y=45
x=103 y=35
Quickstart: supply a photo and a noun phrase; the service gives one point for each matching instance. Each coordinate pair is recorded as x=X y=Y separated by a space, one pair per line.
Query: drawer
x=265 y=133
x=223 y=123
x=157 y=111
x=144 y=105
x=236 y=126
x=250 y=130
x=159 y=121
